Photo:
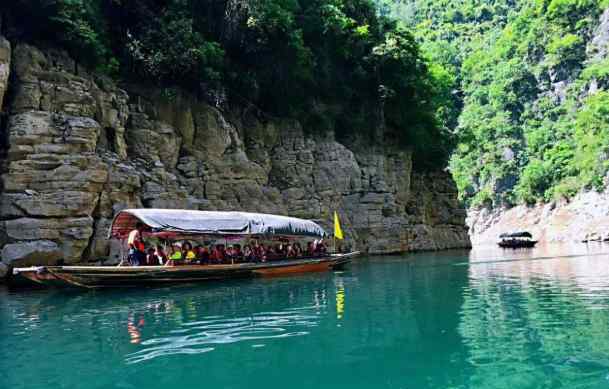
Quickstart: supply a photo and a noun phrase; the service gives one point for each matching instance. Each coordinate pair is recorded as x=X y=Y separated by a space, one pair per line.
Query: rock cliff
x=584 y=218
x=76 y=148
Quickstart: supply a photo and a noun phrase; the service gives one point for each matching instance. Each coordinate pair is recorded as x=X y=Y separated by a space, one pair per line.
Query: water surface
x=485 y=319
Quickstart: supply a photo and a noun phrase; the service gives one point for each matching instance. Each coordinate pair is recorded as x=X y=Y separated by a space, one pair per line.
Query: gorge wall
x=77 y=149
x=584 y=218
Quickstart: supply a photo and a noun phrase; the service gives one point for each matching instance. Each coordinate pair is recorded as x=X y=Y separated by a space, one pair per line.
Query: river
x=481 y=319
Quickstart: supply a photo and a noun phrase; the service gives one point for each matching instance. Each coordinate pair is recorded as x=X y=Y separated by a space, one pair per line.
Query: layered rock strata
x=584 y=218
x=77 y=149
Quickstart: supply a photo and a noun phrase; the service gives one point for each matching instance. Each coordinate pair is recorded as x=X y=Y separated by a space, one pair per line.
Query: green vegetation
x=335 y=64
x=531 y=103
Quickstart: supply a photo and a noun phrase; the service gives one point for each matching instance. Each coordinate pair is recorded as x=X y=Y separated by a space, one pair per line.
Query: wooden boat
x=113 y=276
x=515 y=240
x=177 y=224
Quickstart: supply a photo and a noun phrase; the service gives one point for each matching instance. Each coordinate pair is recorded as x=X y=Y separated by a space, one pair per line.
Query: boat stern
x=37 y=275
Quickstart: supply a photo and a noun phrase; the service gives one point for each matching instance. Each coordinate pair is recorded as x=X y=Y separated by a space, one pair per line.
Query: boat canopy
x=519 y=234
x=178 y=221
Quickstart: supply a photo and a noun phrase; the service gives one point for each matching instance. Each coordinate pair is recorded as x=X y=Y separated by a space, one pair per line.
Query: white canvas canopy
x=181 y=221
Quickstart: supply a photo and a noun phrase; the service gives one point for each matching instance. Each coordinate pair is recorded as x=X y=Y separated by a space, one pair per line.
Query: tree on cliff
x=334 y=64
x=531 y=80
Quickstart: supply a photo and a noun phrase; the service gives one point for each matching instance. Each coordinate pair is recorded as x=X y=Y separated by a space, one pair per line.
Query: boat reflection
x=133 y=329
x=202 y=336
x=180 y=320
x=537 y=308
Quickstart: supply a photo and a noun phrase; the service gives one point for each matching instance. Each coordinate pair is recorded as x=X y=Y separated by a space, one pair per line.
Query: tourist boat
x=515 y=240
x=172 y=225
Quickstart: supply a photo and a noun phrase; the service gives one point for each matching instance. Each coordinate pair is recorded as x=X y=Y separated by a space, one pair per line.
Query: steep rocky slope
x=77 y=148
x=576 y=214
x=584 y=218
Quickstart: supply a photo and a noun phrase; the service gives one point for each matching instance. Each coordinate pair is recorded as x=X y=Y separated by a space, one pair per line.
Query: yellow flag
x=338 y=232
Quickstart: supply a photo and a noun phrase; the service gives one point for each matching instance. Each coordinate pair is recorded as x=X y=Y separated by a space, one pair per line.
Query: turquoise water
x=449 y=320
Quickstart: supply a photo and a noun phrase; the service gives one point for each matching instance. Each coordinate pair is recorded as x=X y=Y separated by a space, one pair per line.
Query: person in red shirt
x=217 y=254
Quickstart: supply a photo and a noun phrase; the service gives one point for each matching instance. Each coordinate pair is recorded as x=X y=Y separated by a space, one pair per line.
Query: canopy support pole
x=334 y=240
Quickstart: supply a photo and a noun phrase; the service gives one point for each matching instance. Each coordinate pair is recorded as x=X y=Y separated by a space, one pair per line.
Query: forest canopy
x=335 y=64
x=531 y=111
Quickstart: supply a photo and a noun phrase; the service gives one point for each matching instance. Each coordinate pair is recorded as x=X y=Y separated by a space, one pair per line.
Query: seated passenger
x=247 y=254
x=298 y=249
x=310 y=249
x=175 y=255
x=230 y=253
x=280 y=251
x=223 y=255
x=188 y=255
x=262 y=253
x=290 y=252
x=320 y=248
x=256 y=251
x=160 y=255
x=238 y=253
x=203 y=255
x=217 y=254
x=150 y=258
x=271 y=254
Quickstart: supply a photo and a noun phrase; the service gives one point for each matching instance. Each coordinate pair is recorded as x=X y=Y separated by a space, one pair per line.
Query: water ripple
x=202 y=336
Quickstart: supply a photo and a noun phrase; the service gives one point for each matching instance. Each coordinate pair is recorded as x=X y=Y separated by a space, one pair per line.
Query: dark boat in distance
x=172 y=225
x=516 y=240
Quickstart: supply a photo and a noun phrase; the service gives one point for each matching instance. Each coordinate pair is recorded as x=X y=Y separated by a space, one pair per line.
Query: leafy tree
x=530 y=109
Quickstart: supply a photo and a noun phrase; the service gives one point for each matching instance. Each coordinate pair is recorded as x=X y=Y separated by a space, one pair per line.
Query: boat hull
x=104 y=276
x=518 y=244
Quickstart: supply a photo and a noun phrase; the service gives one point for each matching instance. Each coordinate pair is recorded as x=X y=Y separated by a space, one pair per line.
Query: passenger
x=175 y=255
x=271 y=254
x=247 y=254
x=257 y=252
x=320 y=248
x=223 y=252
x=262 y=253
x=217 y=254
x=238 y=253
x=213 y=254
x=203 y=257
x=230 y=253
x=137 y=254
x=310 y=249
x=298 y=249
x=188 y=254
x=150 y=258
x=280 y=251
x=160 y=255
x=291 y=252
x=196 y=249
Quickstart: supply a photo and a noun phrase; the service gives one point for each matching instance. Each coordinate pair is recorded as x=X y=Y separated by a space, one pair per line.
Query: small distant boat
x=171 y=225
x=517 y=240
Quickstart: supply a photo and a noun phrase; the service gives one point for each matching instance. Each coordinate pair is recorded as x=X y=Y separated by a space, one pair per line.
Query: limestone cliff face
x=77 y=148
x=584 y=218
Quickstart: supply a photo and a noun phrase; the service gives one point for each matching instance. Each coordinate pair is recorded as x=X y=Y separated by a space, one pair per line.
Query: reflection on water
x=340 y=299
x=201 y=336
x=535 y=320
x=485 y=319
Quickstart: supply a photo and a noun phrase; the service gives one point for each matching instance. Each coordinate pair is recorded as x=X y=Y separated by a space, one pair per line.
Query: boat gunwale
x=187 y=268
